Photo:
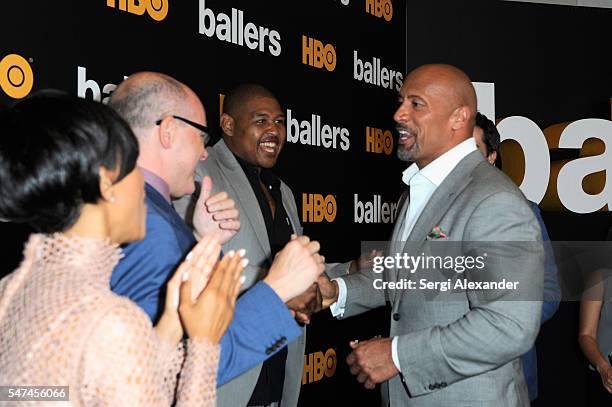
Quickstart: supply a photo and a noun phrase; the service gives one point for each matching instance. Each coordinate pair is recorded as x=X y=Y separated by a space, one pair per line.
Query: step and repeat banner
x=336 y=67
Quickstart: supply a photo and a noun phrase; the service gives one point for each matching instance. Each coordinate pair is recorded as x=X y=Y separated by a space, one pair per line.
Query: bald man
x=169 y=122
x=457 y=329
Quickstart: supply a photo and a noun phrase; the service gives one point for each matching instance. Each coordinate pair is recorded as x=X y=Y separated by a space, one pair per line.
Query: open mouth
x=406 y=135
x=269 y=144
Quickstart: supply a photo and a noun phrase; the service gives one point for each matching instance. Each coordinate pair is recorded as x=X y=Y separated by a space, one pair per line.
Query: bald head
x=438 y=106
x=448 y=81
x=145 y=97
x=159 y=110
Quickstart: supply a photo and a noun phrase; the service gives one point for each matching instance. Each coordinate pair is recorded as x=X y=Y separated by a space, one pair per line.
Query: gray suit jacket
x=463 y=347
x=227 y=175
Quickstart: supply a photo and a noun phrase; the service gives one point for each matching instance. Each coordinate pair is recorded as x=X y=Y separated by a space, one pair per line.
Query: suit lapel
x=288 y=204
x=439 y=203
x=243 y=191
x=395 y=245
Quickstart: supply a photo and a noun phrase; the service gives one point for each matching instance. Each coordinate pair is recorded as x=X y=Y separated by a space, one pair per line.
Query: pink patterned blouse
x=60 y=325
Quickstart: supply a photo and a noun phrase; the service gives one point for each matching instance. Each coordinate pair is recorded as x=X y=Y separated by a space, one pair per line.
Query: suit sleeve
x=147 y=265
x=262 y=325
x=361 y=296
x=500 y=325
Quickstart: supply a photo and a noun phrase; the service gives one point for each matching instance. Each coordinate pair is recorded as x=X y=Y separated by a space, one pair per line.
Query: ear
x=106 y=184
x=492 y=157
x=460 y=118
x=166 y=132
x=227 y=124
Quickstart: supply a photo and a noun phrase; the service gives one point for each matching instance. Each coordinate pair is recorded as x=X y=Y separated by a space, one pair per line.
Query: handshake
x=201 y=295
x=322 y=293
x=293 y=274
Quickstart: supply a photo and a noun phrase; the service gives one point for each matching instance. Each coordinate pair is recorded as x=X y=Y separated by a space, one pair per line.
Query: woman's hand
x=209 y=313
x=199 y=264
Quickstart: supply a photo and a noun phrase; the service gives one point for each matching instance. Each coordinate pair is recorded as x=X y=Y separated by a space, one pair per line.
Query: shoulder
x=4 y=282
x=488 y=180
x=159 y=249
x=213 y=159
x=122 y=321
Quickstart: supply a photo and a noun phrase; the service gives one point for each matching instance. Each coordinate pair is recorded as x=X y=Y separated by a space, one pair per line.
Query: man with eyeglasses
x=169 y=122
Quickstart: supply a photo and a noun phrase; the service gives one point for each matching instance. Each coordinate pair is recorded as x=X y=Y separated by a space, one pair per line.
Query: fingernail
x=231 y=253
x=242 y=279
x=189 y=256
x=241 y=252
x=244 y=262
x=185 y=275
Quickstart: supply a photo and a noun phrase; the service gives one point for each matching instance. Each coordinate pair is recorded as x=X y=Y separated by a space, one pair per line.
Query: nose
x=273 y=128
x=400 y=114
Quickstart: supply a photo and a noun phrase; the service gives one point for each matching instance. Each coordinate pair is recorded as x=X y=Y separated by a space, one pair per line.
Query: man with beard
x=459 y=347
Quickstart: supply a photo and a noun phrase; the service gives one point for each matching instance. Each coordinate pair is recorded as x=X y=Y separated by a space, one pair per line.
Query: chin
x=267 y=163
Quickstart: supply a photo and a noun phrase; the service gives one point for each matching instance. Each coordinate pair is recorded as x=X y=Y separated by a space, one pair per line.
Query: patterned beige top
x=60 y=325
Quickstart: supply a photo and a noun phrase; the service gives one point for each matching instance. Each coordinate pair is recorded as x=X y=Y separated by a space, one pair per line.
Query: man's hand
x=215 y=215
x=295 y=268
x=371 y=361
x=329 y=291
x=306 y=304
x=365 y=261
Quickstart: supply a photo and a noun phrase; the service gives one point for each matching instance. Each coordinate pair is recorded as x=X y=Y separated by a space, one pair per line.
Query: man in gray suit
x=455 y=345
x=254 y=133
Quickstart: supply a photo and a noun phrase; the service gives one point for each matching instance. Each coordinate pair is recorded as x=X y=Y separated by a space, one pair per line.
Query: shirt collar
x=157 y=183
x=437 y=170
x=247 y=167
x=265 y=174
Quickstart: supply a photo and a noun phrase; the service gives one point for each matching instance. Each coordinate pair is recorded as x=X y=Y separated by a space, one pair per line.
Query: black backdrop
x=548 y=63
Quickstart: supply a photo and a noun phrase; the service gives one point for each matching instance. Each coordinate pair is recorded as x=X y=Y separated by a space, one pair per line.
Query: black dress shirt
x=269 y=386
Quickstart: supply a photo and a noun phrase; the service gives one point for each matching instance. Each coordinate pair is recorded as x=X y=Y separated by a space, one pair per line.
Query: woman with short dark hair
x=68 y=169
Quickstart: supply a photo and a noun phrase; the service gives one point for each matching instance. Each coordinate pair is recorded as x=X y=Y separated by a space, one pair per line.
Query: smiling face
x=256 y=132
x=432 y=117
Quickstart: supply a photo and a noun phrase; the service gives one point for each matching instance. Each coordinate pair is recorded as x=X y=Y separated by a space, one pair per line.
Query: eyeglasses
x=205 y=134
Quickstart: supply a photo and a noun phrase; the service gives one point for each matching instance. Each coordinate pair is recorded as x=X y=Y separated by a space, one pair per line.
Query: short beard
x=407 y=154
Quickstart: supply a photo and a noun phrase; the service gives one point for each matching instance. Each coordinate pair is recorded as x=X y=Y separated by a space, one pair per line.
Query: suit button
x=396 y=316
x=283 y=338
x=269 y=351
x=443 y=384
x=431 y=387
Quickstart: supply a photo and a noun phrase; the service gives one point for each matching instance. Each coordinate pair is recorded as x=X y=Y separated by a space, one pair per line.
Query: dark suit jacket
x=148 y=264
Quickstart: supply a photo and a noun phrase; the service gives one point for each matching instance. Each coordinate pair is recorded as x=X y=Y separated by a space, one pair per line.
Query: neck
x=152 y=160
x=92 y=223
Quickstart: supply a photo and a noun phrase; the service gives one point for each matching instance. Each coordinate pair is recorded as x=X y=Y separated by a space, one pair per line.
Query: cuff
x=337 y=308
x=394 y=354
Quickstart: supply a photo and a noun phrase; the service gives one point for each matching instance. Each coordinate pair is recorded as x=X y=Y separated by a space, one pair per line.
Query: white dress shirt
x=423 y=183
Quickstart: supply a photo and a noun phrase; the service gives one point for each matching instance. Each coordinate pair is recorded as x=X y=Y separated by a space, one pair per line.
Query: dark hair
x=490 y=135
x=238 y=96
x=52 y=146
